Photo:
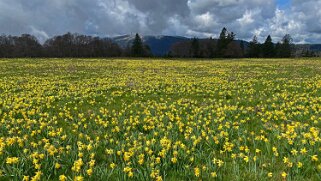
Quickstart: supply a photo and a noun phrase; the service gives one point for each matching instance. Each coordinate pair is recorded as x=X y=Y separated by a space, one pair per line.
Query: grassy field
x=97 y=119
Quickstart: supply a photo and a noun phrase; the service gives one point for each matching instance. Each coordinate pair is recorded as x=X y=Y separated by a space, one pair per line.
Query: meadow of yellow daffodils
x=105 y=119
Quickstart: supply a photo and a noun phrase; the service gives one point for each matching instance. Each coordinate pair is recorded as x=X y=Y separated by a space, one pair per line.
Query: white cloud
x=247 y=18
x=41 y=35
x=45 y=18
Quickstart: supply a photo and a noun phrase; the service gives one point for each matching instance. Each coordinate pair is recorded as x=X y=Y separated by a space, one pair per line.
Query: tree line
x=77 y=45
x=68 y=45
x=227 y=47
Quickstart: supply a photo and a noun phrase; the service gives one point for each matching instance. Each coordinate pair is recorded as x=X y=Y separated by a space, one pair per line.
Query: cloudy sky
x=201 y=18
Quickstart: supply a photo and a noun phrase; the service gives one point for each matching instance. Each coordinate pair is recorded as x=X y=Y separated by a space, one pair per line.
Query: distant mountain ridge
x=160 y=45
